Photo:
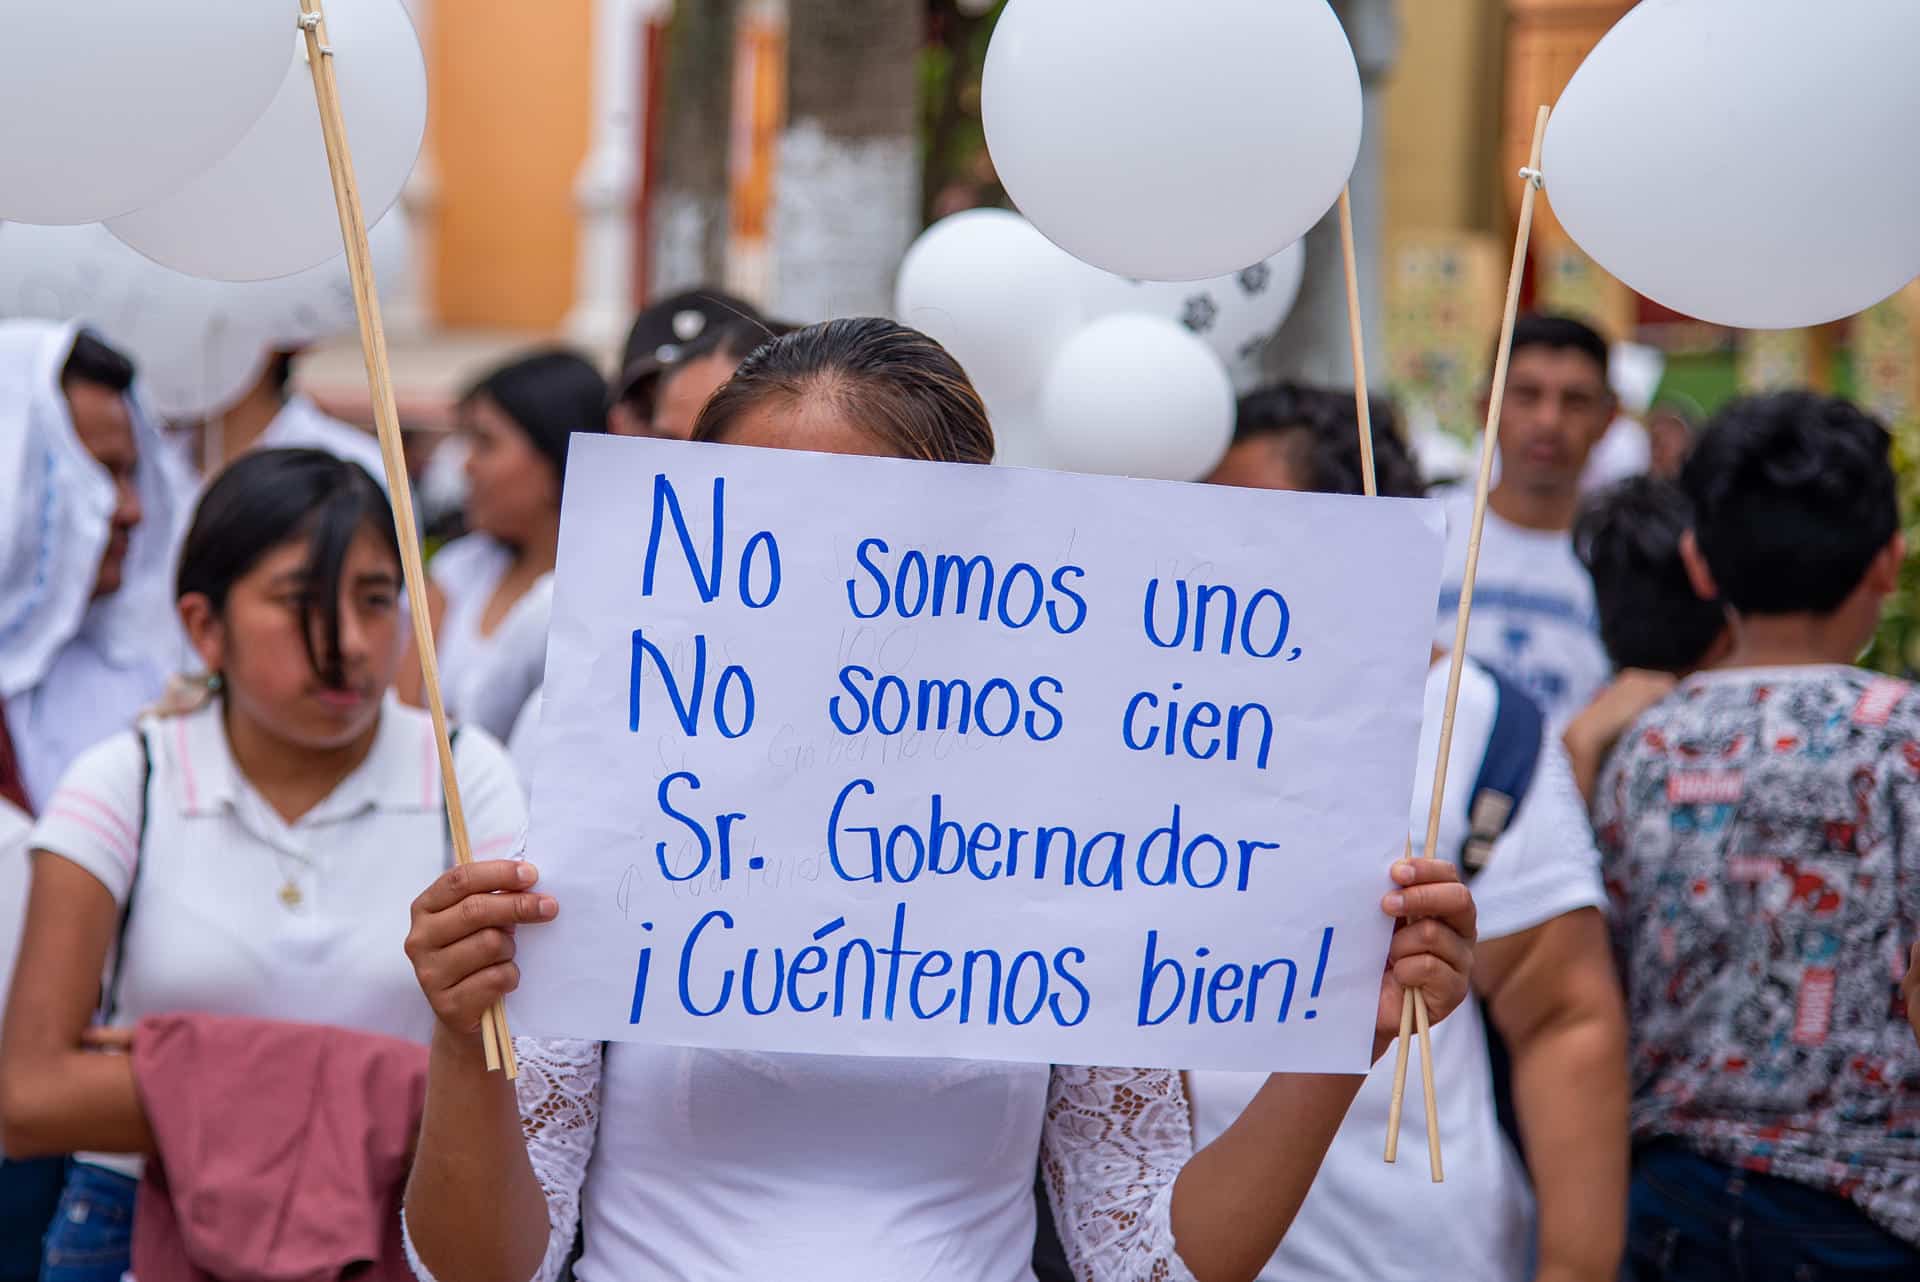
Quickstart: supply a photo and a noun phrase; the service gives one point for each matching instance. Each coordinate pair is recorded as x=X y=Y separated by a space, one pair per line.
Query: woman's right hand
x=462 y=940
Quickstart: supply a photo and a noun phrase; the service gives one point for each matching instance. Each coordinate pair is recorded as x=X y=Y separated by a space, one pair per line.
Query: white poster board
x=865 y=756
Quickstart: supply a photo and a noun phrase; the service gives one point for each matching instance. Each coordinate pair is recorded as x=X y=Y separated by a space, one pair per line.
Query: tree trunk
x=1314 y=346
x=689 y=222
x=849 y=187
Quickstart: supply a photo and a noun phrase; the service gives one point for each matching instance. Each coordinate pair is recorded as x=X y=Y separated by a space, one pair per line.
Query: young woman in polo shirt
x=254 y=857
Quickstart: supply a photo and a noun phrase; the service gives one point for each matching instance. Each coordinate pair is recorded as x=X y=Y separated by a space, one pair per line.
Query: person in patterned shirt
x=1760 y=831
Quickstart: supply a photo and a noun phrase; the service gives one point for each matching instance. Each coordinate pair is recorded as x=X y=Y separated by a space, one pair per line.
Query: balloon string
x=1535 y=177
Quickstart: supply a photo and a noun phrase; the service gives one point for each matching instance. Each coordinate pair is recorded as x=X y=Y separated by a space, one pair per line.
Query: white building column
x=603 y=303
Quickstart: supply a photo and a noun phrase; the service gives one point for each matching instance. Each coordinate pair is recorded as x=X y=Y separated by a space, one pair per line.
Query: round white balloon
x=267 y=209
x=1172 y=141
x=111 y=104
x=198 y=345
x=1747 y=162
x=1019 y=437
x=1237 y=315
x=1138 y=396
x=317 y=304
x=996 y=294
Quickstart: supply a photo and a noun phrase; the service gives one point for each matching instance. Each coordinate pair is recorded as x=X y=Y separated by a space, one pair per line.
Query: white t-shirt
x=213 y=927
x=300 y=425
x=1478 y=1226
x=1534 y=618
x=486 y=678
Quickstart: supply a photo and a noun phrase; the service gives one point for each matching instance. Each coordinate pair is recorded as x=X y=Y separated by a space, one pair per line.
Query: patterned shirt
x=1760 y=834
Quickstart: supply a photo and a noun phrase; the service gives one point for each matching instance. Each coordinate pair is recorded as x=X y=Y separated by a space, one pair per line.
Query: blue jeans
x=1692 y=1220
x=28 y=1193
x=91 y=1239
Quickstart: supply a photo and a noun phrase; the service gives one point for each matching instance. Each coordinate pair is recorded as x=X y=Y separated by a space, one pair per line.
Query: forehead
x=1562 y=366
x=810 y=424
x=101 y=419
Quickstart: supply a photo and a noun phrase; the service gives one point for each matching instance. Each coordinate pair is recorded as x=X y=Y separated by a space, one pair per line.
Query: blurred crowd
x=1689 y=824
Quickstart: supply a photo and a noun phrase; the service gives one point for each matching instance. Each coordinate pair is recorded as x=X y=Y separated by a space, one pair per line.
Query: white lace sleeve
x=1115 y=1140
x=559 y=1089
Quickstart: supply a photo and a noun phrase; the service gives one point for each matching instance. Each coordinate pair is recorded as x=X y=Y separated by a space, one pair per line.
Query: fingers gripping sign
x=462 y=941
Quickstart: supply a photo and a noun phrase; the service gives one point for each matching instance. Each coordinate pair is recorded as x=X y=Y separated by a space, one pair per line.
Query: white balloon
x=111 y=104
x=996 y=294
x=198 y=344
x=1138 y=396
x=1172 y=141
x=1019 y=436
x=317 y=304
x=1747 y=162
x=1237 y=315
x=267 y=209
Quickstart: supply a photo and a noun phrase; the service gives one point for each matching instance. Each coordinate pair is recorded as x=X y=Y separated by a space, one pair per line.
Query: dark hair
x=268 y=498
x=279 y=373
x=892 y=382
x=550 y=395
x=1628 y=537
x=1323 y=429
x=1560 y=334
x=1793 y=496
x=92 y=361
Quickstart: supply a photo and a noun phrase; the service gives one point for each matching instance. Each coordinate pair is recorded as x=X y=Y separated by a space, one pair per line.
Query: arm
x=1592 y=734
x=1237 y=1197
x=1129 y=1201
x=1552 y=994
x=473 y=1151
x=55 y=1095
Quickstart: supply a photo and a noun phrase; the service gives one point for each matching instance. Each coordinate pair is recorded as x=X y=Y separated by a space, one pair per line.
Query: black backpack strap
x=110 y=1000
x=1506 y=772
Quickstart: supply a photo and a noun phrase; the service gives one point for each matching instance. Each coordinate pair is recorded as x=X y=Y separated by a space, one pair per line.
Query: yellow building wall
x=512 y=84
x=1443 y=118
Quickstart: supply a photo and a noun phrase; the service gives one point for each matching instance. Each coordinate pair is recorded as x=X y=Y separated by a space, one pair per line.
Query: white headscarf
x=56 y=509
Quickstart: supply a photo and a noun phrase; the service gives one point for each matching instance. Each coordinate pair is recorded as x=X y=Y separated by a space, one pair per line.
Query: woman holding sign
x=703 y=1164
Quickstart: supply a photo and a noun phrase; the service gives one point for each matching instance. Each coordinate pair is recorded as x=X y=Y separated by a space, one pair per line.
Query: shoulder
x=465 y=559
x=94 y=817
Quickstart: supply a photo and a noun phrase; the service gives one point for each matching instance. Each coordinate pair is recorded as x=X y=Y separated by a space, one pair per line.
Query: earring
x=215 y=683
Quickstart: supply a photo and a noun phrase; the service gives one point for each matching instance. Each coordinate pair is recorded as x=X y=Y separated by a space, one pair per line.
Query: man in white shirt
x=1542 y=973
x=96 y=504
x=1533 y=611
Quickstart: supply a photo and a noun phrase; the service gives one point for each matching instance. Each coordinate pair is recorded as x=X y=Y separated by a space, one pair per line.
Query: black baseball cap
x=667 y=327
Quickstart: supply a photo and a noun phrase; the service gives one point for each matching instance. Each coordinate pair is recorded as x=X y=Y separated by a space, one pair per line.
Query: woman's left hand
x=1432 y=944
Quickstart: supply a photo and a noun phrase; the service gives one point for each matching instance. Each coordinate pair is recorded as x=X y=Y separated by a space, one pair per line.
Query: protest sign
x=867 y=756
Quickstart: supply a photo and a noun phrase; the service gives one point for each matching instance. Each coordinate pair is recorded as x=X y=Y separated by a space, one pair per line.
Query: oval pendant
x=290 y=895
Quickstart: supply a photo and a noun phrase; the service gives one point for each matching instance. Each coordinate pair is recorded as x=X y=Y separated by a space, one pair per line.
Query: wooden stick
x=1400 y=1078
x=1489 y=445
x=373 y=346
x=1362 y=405
x=1426 y=1087
x=1413 y=1003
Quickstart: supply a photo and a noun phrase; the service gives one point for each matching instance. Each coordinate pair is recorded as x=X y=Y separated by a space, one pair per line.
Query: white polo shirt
x=1478 y=1226
x=237 y=912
